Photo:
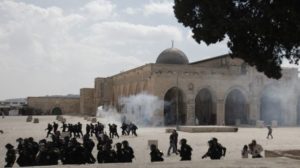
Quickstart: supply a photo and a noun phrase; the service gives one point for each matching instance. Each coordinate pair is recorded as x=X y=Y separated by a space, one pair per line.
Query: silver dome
x=172 y=56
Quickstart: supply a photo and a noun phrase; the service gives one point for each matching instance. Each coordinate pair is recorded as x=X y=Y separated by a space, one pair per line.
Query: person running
x=49 y=128
x=269 y=132
x=173 y=142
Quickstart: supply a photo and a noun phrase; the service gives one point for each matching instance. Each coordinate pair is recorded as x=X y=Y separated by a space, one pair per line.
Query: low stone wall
x=293 y=154
x=208 y=129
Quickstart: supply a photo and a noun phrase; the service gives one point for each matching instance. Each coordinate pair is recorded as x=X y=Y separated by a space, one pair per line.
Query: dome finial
x=172 y=41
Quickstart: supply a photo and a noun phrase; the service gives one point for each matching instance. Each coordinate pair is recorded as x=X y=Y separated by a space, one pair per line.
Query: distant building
x=55 y=105
x=12 y=106
x=215 y=91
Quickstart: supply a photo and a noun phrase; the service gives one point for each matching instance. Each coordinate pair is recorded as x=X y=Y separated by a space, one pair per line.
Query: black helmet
x=152 y=147
x=183 y=141
x=9 y=146
x=125 y=143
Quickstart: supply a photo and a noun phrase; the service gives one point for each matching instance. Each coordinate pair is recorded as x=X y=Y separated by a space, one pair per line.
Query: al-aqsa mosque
x=215 y=91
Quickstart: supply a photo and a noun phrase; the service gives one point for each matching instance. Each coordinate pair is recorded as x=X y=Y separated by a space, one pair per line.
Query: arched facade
x=174 y=107
x=271 y=105
x=205 y=108
x=56 y=111
x=236 y=107
x=218 y=90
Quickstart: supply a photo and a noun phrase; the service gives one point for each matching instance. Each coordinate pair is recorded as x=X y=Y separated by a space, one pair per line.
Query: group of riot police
x=129 y=128
x=68 y=150
x=75 y=130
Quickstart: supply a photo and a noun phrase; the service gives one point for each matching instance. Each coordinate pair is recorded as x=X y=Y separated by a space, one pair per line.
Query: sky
x=56 y=47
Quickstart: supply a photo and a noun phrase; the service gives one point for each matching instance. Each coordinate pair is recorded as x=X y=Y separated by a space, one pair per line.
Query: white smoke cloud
x=141 y=109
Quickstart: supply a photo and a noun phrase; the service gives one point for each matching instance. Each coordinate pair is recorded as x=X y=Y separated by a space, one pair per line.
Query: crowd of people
x=67 y=149
x=63 y=147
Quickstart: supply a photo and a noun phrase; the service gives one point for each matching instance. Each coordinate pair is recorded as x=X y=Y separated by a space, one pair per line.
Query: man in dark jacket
x=49 y=128
x=155 y=154
x=10 y=155
x=185 y=150
x=215 y=150
x=128 y=152
x=173 y=142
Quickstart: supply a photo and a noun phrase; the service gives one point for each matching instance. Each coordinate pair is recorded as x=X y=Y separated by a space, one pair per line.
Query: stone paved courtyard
x=284 y=138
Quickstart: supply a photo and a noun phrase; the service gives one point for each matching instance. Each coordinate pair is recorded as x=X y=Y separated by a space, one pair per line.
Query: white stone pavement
x=284 y=138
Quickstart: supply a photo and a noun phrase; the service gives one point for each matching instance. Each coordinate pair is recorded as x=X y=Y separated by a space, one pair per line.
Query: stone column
x=190 y=110
x=254 y=109
x=220 y=112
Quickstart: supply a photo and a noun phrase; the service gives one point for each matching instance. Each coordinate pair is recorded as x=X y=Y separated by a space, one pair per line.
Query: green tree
x=261 y=32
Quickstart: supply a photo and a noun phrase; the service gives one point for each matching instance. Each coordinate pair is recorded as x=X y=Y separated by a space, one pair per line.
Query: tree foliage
x=261 y=32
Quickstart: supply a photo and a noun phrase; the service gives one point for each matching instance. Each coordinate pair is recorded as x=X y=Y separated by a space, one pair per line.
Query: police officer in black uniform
x=155 y=154
x=10 y=155
x=185 y=150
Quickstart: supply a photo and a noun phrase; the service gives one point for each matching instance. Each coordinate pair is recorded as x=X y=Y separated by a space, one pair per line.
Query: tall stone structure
x=215 y=91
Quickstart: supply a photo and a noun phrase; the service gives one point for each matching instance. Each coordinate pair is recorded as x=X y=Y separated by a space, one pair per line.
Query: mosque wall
x=46 y=105
x=87 y=101
x=227 y=81
x=220 y=82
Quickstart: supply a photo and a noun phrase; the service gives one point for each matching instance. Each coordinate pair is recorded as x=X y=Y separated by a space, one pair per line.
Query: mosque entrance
x=205 y=110
x=270 y=107
x=56 y=111
x=174 y=105
x=236 y=108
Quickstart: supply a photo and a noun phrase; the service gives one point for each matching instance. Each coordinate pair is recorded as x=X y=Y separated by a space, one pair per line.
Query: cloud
x=99 y=9
x=132 y=11
x=159 y=8
x=125 y=32
x=48 y=51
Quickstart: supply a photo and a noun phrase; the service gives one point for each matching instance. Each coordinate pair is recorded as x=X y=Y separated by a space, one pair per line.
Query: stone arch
x=236 y=106
x=205 y=107
x=56 y=111
x=174 y=107
x=271 y=105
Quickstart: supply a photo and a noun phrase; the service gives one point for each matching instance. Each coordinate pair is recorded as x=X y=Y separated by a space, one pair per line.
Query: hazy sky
x=50 y=47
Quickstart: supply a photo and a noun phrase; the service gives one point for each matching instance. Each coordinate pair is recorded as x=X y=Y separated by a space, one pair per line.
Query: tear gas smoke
x=142 y=109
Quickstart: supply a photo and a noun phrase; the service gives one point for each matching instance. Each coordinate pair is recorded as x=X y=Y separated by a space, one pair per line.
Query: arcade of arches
x=236 y=108
x=218 y=90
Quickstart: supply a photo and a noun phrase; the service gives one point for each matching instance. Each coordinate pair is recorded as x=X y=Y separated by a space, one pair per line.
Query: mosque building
x=215 y=91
